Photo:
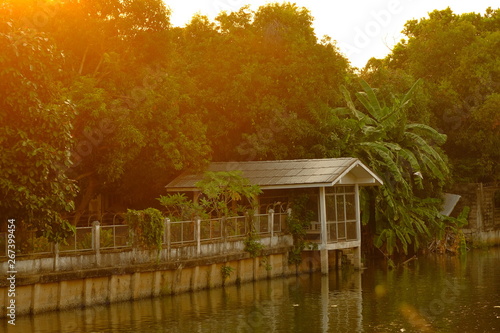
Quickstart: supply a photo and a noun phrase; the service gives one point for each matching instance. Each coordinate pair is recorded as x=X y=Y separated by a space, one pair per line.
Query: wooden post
x=324 y=235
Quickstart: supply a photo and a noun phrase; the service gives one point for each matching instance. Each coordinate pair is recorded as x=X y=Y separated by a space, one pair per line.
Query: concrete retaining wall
x=83 y=260
x=42 y=291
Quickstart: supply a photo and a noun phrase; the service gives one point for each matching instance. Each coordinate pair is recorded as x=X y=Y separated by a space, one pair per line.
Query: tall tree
x=458 y=56
x=264 y=81
x=35 y=132
x=408 y=158
x=132 y=125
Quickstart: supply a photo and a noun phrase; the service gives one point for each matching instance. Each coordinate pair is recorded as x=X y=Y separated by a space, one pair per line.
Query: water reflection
x=435 y=294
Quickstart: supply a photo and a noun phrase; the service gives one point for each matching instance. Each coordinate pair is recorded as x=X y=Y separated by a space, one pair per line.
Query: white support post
x=325 y=304
x=56 y=256
x=357 y=251
x=166 y=236
x=96 y=241
x=225 y=238
x=289 y=215
x=324 y=235
x=270 y=223
x=198 y=236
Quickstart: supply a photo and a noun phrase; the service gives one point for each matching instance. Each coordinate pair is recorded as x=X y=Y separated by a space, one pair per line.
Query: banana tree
x=408 y=158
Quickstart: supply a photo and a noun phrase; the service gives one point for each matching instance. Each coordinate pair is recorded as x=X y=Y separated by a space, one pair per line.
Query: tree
x=222 y=195
x=133 y=127
x=264 y=81
x=35 y=133
x=408 y=158
x=457 y=56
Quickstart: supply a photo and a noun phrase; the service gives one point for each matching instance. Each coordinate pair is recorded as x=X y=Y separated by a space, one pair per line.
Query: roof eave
x=376 y=181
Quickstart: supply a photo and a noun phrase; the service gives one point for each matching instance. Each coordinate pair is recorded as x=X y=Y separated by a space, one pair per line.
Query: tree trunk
x=88 y=194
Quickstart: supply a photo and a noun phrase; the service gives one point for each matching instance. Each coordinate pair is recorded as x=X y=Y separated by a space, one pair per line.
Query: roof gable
x=288 y=173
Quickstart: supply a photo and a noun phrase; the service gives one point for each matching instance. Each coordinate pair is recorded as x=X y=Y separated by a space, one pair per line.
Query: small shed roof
x=284 y=174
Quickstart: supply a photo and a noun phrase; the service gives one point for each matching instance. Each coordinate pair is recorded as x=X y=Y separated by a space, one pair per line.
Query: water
x=432 y=294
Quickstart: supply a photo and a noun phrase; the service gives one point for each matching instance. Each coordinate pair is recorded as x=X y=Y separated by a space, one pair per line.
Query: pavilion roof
x=283 y=174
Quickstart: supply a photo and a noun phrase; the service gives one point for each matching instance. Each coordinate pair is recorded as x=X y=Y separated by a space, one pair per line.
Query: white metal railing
x=279 y=224
x=211 y=230
x=182 y=232
x=236 y=226
x=339 y=231
x=115 y=236
x=98 y=237
x=261 y=223
x=80 y=241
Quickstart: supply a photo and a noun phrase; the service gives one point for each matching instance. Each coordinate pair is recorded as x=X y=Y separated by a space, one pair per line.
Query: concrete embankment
x=83 y=280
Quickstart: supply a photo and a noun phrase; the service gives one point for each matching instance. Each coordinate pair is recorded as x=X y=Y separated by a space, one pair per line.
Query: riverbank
x=77 y=284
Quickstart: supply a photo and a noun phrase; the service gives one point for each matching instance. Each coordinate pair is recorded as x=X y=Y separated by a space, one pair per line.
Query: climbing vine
x=298 y=223
x=147 y=226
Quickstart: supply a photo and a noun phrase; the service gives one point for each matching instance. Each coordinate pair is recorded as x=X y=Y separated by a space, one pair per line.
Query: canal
x=430 y=294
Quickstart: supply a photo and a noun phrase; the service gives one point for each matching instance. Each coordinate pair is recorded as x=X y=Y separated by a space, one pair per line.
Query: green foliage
x=181 y=208
x=140 y=95
x=268 y=84
x=105 y=237
x=226 y=272
x=408 y=159
x=147 y=226
x=457 y=57
x=222 y=191
x=58 y=232
x=298 y=223
x=264 y=262
x=253 y=245
x=35 y=132
x=40 y=244
x=224 y=194
x=449 y=238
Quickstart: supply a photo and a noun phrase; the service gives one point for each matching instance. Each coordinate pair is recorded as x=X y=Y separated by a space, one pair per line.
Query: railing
x=337 y=231
x=236 y=226
x=261 y=223
x=115 y=236
x=182 y=232
x=341 y=231
x=81 y=241
x=279 y=223
x=98 y=237
x=211 y=229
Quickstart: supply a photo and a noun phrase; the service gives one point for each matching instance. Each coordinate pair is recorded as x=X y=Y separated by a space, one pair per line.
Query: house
x=333 y=188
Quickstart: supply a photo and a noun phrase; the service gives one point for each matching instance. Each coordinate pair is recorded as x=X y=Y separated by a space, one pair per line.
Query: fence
x=99 y=237
x=182 y=232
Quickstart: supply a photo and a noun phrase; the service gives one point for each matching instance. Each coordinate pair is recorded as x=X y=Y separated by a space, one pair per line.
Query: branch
x=80 y=70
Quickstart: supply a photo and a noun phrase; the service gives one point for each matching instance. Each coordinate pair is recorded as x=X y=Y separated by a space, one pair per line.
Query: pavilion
x=333 y=187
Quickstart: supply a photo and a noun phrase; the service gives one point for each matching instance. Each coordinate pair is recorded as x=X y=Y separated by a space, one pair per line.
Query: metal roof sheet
x=281 y=173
